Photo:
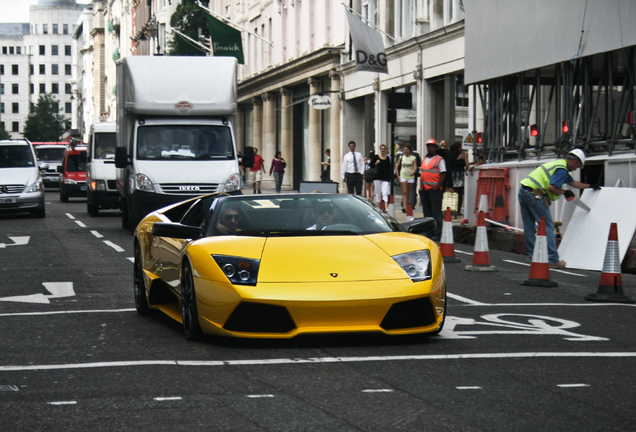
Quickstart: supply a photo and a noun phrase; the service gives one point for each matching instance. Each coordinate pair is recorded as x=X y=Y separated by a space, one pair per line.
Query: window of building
x=42 y=50
x=54 y=29
x=45 y=29
x=67 y=50
x=55 y=88
x=55 y=69
x=18 y=50
x=68 y=108
x=31 y=50
x=68 y=70
x=31 y=88
x=15 y=89
x=2 y=108
x=1 y=88
x=64 y=28
x=54 y=49
x=42 y=88
x=67 y=88
x=15 y=108
x=37 y=29
x=42 y=69
x=4 y=50
x=461 y=91
x=1 y=69
x=11 y=50
x=15 y=127
x=31 y=69
x=14 y=70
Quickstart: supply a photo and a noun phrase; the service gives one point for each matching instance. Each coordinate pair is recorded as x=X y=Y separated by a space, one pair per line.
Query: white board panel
x=585 y=240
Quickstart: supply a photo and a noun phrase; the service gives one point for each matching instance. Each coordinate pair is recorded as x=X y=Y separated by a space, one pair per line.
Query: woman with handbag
x=381 y=163
x=278 y=167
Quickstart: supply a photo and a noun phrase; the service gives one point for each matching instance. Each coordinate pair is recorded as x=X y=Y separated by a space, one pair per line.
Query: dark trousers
x=355 y=180
x=432 y=207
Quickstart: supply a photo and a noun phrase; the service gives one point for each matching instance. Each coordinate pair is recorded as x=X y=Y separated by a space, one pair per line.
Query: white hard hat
x=579 y=154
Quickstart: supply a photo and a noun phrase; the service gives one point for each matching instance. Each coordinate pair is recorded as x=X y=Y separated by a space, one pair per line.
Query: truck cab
x=101 y=173
x=73 y=173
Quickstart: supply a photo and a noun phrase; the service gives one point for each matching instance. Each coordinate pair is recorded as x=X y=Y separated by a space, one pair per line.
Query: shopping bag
x=450 y=199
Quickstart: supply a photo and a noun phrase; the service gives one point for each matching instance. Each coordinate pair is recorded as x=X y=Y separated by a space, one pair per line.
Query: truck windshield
x=178 y=142
x=105 y=143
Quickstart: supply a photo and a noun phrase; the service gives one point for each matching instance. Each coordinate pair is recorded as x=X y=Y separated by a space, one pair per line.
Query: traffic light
x=534 y=131
x=566 y=126
x=479 y=137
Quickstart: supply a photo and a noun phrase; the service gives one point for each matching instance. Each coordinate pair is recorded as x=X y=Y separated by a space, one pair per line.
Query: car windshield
x=319 y=214
x=16 y=156
x=174 y=142
x=105 y=143
x=49 y=153
x=75 y=163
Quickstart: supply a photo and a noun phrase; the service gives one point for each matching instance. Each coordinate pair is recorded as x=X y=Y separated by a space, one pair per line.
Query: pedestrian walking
x=382 y=181
x=369 y=174
x=352 y=169
x=405 y=170
x=537 y=192
x=278 y=168
x=456 y=167
x=433 y=178
x=256 y=171
x=325 y=176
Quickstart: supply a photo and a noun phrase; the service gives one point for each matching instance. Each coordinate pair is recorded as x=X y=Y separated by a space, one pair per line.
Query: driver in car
x=229 y=220
x=323 y=212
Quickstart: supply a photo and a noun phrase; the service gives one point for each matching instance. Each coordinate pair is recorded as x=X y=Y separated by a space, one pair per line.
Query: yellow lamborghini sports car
x=276 y=266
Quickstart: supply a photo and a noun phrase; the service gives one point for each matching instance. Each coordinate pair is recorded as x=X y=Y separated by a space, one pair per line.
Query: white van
x=21 y=186
x=101 y=191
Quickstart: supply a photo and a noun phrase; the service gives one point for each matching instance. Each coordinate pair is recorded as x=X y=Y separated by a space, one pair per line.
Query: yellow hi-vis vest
x=540 y=178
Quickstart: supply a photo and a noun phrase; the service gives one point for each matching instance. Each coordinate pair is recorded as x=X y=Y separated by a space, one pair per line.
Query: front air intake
x=409 y=314
x=260 y=318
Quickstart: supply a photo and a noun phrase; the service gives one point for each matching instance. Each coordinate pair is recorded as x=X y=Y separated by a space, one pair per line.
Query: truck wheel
x=125 y=217
x=92 y=207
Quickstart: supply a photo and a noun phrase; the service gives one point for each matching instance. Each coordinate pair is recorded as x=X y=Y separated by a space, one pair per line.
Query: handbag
x=369 y=175
x=450 y=199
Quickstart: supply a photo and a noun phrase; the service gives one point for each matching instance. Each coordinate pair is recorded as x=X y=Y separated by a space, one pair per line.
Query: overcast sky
x=18 y=10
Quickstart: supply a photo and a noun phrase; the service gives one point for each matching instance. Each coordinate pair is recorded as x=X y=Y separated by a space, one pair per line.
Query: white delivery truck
x=101 y=191
x=175 y=120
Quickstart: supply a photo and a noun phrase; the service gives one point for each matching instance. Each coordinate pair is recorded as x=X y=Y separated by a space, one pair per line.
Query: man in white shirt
x=352 y=169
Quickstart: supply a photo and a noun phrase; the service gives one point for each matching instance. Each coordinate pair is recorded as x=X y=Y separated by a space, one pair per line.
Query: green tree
x=4 y=135
x=190 y=20
x=44 y=122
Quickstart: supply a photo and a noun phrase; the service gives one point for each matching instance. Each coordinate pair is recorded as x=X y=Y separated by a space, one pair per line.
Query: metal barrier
x=492 y=196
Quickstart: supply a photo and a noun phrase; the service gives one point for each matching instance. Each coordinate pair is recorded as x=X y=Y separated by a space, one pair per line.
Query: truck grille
x=11 y=189
x=189 y=189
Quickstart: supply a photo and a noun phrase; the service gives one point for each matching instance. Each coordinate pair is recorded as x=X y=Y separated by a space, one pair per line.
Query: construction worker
x=539 y=189
x=433 y=177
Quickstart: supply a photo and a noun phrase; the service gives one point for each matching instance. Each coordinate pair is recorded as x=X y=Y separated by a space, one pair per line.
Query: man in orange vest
x=432 y=177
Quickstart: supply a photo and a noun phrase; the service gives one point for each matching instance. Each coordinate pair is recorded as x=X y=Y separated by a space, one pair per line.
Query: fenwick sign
x=320 y=102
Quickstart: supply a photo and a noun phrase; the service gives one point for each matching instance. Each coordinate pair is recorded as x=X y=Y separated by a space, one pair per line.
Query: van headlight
x=35 y=187
x=142 y=183
x=233 y=183
x=417 y=265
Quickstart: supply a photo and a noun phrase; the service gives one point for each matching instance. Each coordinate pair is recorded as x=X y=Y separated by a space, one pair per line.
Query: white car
x=21 y=186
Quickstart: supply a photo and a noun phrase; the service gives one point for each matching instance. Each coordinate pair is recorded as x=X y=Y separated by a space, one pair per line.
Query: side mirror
x=175 y=230
x=422 y=226
x=121 y=157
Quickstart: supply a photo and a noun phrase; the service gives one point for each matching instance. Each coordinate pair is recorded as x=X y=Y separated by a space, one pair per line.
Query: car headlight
x=232 y=183
x=417 y=265
x=98 y=185
x=37 y=186
x=69 y=181
x=240 y=271
x=143 y=184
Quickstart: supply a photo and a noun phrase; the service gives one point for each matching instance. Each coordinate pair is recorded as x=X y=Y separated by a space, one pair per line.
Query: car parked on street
x=21 y=186
x=73 y=173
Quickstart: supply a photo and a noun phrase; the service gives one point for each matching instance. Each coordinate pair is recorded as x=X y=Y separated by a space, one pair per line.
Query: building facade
x=37 y=58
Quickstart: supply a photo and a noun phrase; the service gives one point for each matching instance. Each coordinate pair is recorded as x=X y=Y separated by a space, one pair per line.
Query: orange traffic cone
x=409 y=213
x=540 y=269
x=610 y=288
x=481 y=256
x=446 y=244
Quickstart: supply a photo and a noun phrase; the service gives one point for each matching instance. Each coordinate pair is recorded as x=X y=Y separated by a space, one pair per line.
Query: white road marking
x=131 y=259
x=70 y=216
x=57 y=290
x=469 y=388
x=260 y=396
x=556 y=270
x=166 y=399
x=465 y=253
x=284 y=361
x=17 y=241
x=377 y=391
x=80 y=223
x=67 y=312
x=63 y=403
x=572 y=385
x=464 y=299
x=97 y=234
x=12 y=388
x=114 y=246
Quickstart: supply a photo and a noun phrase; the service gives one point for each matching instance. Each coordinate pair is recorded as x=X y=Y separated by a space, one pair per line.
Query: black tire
x=141 y=301
x=92 y=207
x=189 y=313
x=40 y=213
x=63 y=197
x=125 y=216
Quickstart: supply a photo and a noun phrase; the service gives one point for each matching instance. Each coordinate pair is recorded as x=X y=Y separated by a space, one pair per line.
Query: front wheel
x=125 y=216
x=141 y=301
x=189 y=313
x=92 y=207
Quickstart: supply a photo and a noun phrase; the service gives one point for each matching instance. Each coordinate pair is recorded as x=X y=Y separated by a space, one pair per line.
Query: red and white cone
x=409 y=213
x=391 y=207
x=382 y=205
x=447 y=244
x=481 y=255
x=540 y=269
x=610 y=288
